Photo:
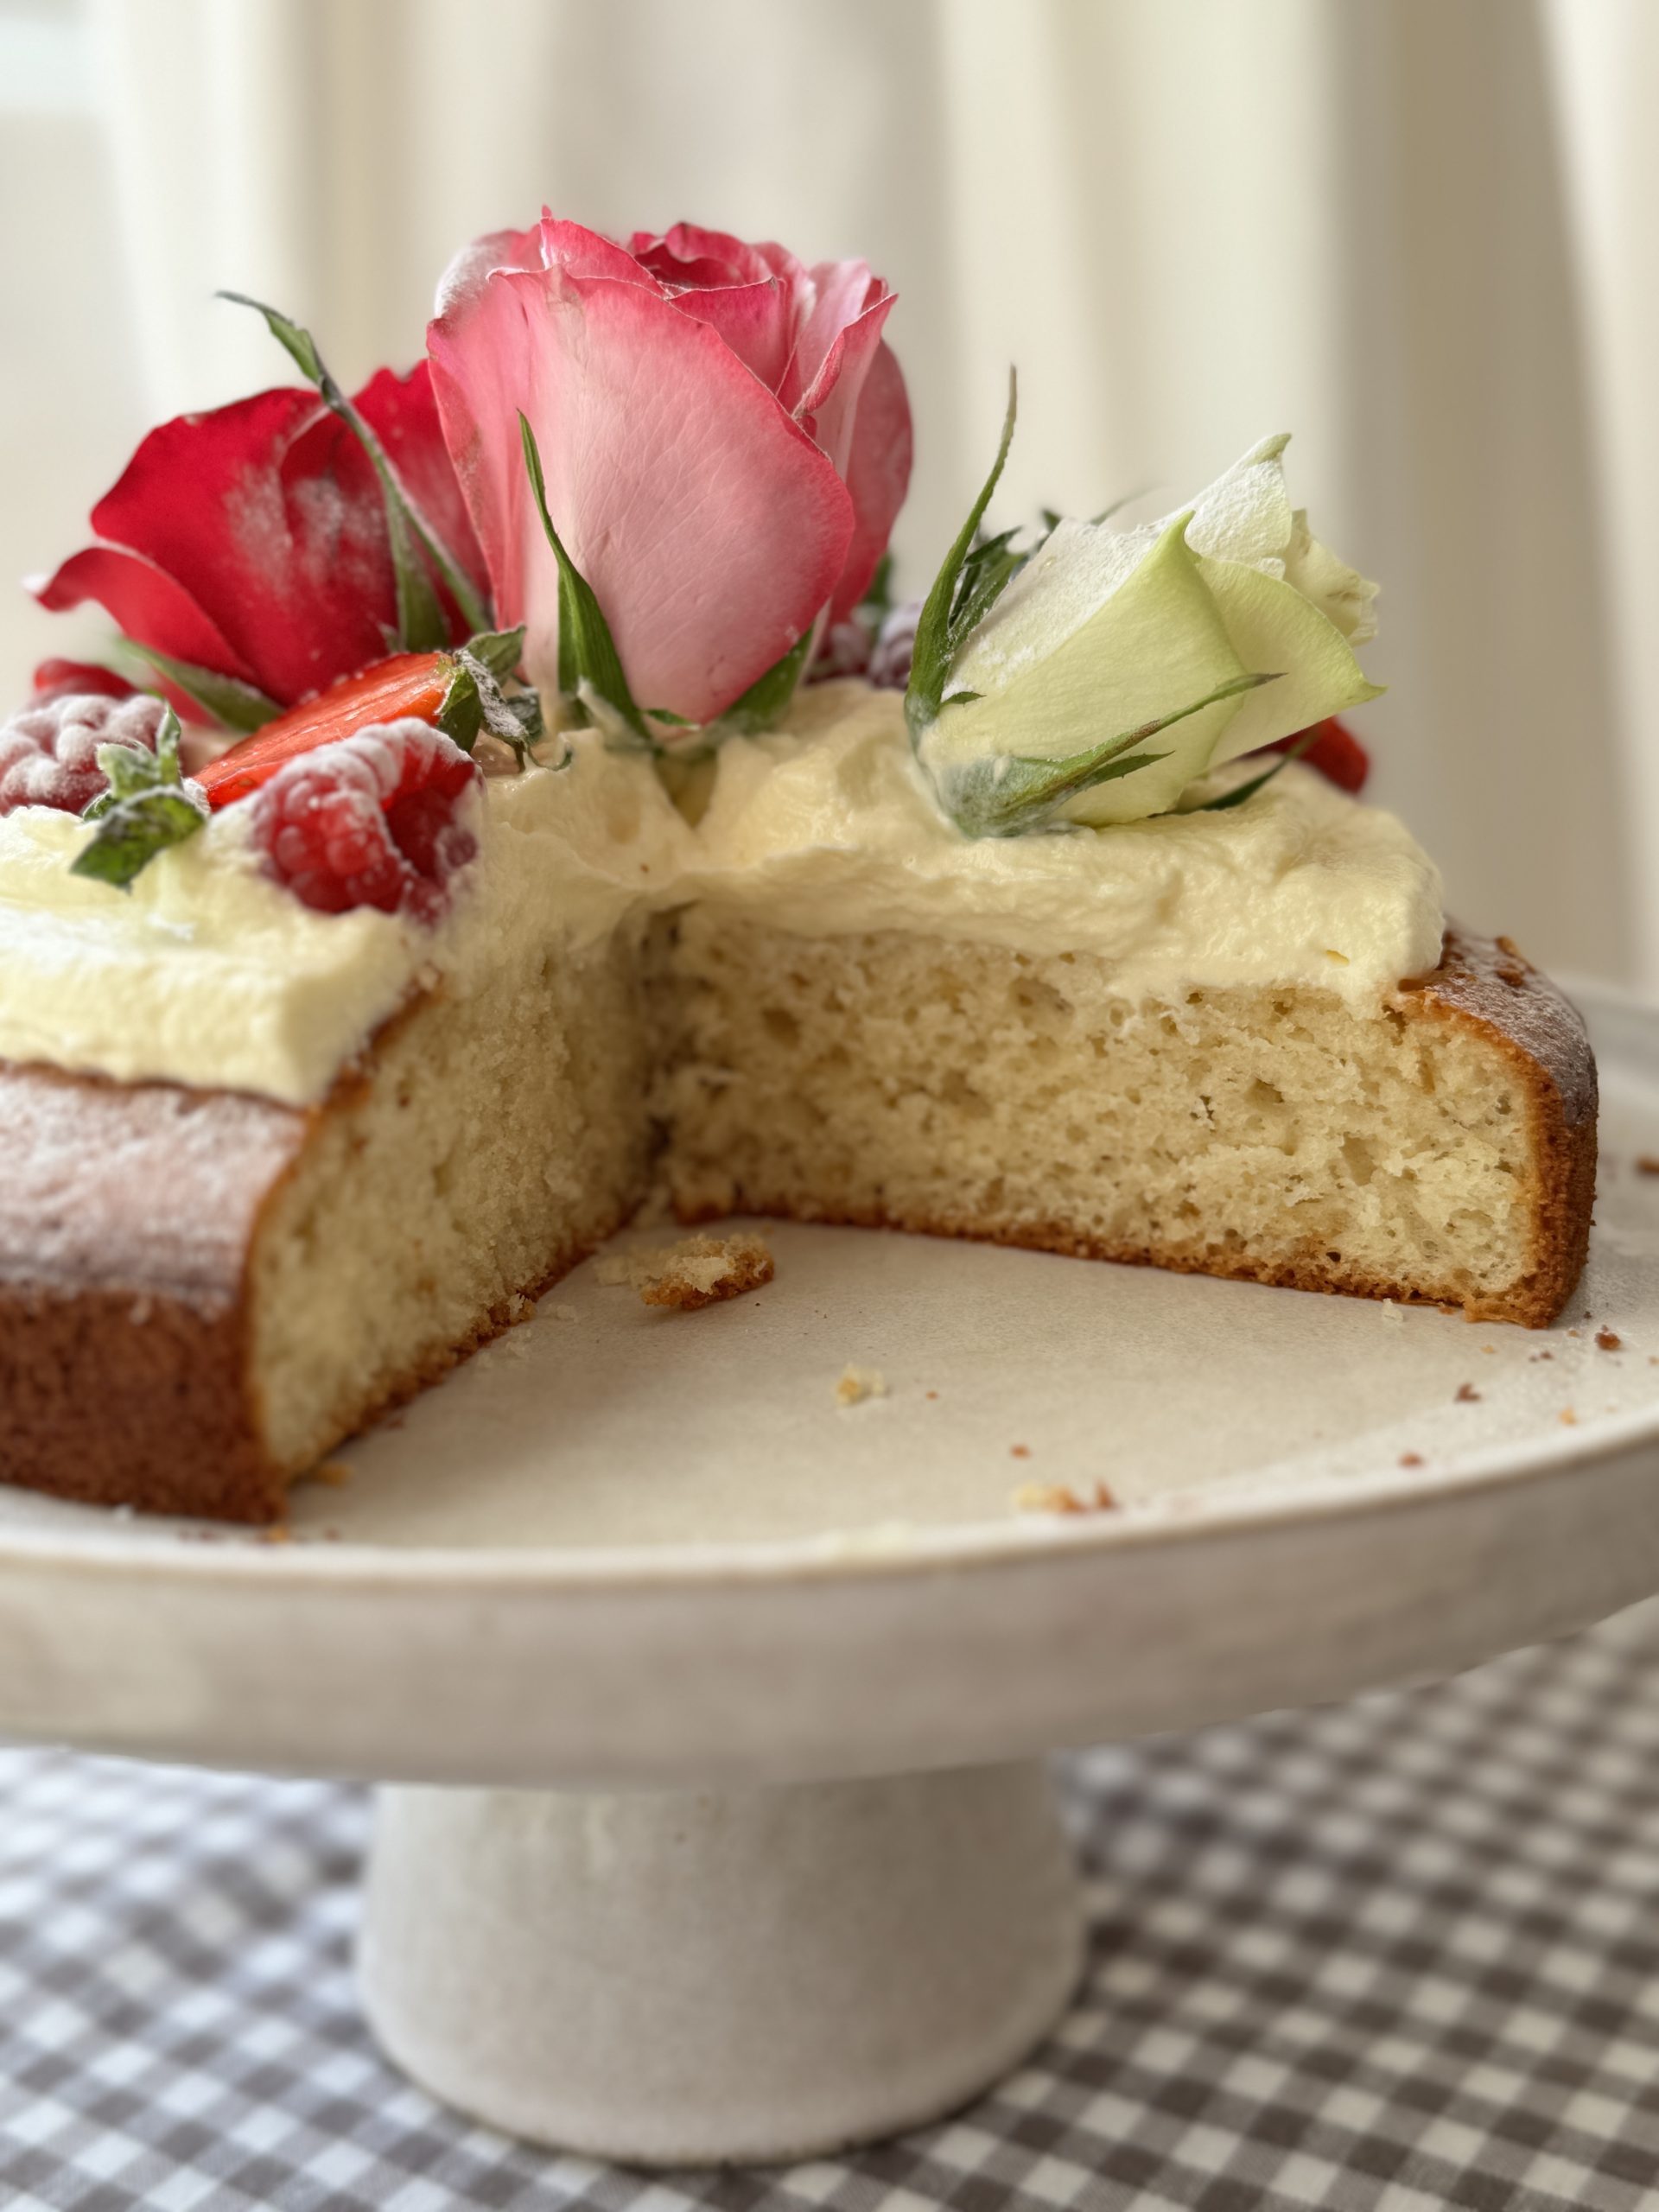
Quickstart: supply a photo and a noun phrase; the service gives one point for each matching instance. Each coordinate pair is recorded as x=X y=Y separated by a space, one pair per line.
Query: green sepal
x=232 y=704
x=145 y=809
x=939 y=630
x=767 y=698
x=1248 y=789
x=1002 y=795
x=587 y=652
x=422 y=624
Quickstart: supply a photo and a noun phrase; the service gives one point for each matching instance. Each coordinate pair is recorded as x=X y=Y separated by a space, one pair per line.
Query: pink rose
x=725 y=436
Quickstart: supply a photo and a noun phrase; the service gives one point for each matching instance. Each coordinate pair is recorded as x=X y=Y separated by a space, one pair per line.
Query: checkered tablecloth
x=1390 y=1958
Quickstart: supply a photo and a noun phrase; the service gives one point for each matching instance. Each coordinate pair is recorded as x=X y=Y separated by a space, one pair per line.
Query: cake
x=323 y=1055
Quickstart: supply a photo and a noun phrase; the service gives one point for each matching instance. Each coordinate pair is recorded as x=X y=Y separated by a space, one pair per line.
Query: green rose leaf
x=231 y=704
x=942 y=628
x=587 y=654
x=767 y=698
x=422 y=627
x=1010 y=793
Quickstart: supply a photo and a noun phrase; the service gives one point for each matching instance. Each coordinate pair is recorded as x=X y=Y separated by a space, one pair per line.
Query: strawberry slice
x=408 y=687
x=459 y=693
x=1335 y=752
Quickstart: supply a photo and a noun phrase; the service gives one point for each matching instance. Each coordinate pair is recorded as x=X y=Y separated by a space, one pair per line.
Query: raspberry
x=896 y=641
x=48 y=752
x=369 y=821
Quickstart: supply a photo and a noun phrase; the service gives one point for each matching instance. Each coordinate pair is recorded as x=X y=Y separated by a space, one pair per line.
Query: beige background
x=1423 y=234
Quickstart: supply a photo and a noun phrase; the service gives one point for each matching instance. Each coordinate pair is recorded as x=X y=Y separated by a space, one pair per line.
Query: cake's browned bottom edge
x=1534 y=1301
x=186 y=1440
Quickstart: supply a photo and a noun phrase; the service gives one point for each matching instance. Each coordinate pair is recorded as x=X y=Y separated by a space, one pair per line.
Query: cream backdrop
x=1423 y=234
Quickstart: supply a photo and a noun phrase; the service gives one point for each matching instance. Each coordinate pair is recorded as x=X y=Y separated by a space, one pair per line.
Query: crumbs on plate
x=1059 y=1497
x=855 y=1384
x=697 y=1271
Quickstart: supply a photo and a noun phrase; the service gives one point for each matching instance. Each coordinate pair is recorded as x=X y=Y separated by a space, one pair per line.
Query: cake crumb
x=1540 y=1355
x=278 y=1532
x=1467 y=1395
x=1610 y=1340
x=1391 y=1311
x=520 y=1308
x=334 y=1472
x=1411 y=1458
x=1058 y=1498
x=698 y=1271
x=932 y=1393
x=857 y=1384
x=1646 y=1164
x=560 y=1313
x=1019 y=1451
x=1568 y=1418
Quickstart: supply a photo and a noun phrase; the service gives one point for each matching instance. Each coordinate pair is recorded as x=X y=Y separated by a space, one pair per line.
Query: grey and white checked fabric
x=1394 y=1957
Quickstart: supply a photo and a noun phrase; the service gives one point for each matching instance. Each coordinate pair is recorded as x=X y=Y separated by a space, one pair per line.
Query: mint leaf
x=500 y=650
x=232 y=704
x=475 y=702
x=1005 y=793
x=938 y=633
x=587 y=652
x=422 y=627
x=147 y=808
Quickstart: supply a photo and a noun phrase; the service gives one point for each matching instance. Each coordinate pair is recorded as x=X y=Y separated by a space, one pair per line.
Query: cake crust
x=130 y=1218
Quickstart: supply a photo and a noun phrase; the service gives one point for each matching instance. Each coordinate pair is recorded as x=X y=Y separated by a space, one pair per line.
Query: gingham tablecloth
x=1388 y=1958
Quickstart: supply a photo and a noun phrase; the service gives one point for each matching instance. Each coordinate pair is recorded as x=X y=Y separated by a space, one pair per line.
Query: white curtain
x=1418 y=233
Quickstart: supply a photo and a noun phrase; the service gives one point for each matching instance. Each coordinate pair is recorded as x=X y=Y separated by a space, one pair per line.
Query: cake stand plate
x=712 y=1710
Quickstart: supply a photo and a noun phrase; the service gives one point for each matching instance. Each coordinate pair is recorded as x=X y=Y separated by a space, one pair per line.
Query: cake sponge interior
x=968 y=1089
x=499 y=1138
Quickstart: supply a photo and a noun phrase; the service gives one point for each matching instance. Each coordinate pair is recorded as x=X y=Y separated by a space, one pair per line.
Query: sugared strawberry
x=371 y=820
x=48 y=752
x=1332 y=748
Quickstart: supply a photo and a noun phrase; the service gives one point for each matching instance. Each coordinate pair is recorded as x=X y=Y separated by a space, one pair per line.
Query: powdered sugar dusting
x=146 y=1188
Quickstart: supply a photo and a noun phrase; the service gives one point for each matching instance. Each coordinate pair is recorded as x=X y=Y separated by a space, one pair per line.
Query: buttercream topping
x=207 y=973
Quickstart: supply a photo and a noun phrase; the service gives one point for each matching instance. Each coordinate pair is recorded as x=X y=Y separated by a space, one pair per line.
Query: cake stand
x=711 y=1713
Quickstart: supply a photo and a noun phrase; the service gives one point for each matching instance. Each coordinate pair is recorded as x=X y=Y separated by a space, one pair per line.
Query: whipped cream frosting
x=207 y=973
x=828 y=827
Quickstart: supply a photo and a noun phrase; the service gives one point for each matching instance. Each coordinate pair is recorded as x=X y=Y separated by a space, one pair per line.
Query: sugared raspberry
x=896 y=641
x=845 y=649
x=48 y=752
x=369 y=820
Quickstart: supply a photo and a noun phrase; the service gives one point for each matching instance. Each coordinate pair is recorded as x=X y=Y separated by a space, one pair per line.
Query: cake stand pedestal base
x=738 y=1976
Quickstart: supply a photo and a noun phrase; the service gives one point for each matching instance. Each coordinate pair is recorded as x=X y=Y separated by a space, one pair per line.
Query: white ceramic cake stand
x=712 y=1713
